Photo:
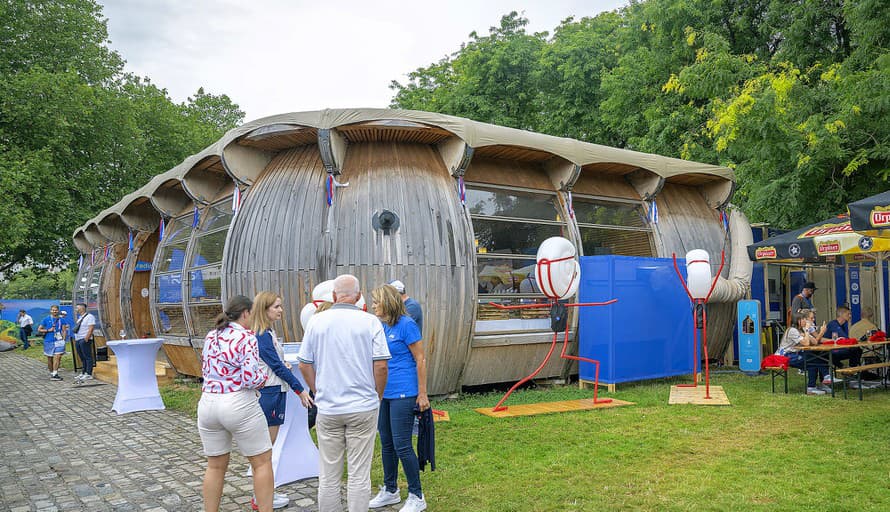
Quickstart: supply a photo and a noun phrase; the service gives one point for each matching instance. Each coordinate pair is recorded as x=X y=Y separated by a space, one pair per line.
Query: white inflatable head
x=361 y=304
x=698 y=273
x=557 y=271
x=324 y=291
x=306 y=313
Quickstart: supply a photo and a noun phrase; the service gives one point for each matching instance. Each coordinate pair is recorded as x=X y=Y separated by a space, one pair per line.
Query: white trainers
x=86 y=376
x=280 y=496
x=278 y=501
x=414 y=504
x=828 y=380
x=815 y=391
x=385 y=498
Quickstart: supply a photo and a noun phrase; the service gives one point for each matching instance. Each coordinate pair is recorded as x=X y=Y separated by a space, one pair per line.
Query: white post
x=880 y=301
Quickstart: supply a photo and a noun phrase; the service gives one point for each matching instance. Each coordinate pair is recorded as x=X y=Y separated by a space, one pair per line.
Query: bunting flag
x=120 y=264
x=129 y=240
x=724 y=219
x=570 y=205
x=653 y=211
x=161 y=230
x=462 y=190
x=236 y=200
x=92 y=258
x=106 y=253
x=195 y=218
x=80 y=261
x=329 y=189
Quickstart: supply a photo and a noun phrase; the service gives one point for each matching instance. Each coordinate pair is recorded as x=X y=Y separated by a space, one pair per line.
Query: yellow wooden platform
x=443 y=417
x=583 y=404
x=696 y=396
x=106 y=371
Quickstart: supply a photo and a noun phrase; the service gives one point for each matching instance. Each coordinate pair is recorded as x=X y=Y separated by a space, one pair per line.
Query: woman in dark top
x=273 y=396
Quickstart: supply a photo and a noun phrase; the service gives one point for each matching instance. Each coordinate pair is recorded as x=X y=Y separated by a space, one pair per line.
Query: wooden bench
x=857 y=370
x=779 y=371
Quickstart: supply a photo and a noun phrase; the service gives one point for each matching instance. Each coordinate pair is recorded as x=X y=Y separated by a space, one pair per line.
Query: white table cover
x=137 y=385
x=294 y=455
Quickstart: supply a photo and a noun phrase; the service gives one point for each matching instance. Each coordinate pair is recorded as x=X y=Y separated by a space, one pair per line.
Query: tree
x=38 y=284
x=76 y=132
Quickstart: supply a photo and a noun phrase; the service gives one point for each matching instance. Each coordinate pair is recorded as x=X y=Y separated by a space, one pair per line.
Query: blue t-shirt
x=843 y=331
x=402 y=381
x=414 y=311
x=50 y=323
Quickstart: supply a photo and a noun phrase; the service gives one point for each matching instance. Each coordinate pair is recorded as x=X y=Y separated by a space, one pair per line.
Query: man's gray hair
x=347 y=285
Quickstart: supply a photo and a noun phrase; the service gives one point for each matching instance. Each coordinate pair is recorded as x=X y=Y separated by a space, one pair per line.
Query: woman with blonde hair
x=228 y=408
x=799 y=335
x=405 y=391
x=273 y=396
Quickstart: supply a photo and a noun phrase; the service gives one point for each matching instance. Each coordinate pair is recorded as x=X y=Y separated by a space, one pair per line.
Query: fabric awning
x=871 y=216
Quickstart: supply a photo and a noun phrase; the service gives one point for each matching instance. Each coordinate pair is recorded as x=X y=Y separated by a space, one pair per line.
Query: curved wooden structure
x=453 y=208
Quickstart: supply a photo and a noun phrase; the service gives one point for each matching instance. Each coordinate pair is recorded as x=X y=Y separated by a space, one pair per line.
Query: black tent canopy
x=871 y=216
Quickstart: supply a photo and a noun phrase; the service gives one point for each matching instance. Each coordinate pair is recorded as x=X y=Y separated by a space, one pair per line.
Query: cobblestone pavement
x=61 y=449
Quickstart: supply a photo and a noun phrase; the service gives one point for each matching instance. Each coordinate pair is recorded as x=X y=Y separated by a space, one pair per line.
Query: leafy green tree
x=38 y=284
x=76 y=132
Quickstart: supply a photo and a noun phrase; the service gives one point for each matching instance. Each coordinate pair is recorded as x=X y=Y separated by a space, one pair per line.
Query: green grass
x=765 y=452
x=35 y=351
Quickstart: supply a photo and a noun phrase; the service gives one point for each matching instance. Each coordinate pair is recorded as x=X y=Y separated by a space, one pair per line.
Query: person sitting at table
x=840 y=328
x=229 y=406
x=864 y=326
x=273 y=396
x=797 y=336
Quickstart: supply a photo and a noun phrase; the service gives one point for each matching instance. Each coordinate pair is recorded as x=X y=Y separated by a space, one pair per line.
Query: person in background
x=864 y=326
x=26 y=328
x=83 y=341
x=405 y=391
x=840 y=328
x=343 y=359
x=229 y=406
x=412 y=307
x=273 y=396
x=804 y=299
x=55 y=332
x=797 y=336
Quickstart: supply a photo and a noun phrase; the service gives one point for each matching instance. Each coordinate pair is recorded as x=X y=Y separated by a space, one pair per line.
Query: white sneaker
x=280 y=496
x=414 y=504
x=86 y=376
x=828 y=380
x=815 y=391
x=385 y=498
x=280 y=500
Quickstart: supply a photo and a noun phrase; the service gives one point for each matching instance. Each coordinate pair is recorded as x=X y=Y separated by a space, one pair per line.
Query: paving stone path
x=62 y=449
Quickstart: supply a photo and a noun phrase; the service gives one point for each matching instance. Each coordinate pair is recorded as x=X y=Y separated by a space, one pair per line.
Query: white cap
x=398 y=285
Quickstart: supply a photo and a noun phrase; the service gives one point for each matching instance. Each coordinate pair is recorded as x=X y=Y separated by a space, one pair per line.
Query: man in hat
x=804 y=299
x=412 y=307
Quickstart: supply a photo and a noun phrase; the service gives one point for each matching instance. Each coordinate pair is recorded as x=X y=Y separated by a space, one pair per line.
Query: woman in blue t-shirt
x=405 y=390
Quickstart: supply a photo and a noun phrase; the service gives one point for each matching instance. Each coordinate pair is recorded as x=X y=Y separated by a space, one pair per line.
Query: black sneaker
x=56 y=377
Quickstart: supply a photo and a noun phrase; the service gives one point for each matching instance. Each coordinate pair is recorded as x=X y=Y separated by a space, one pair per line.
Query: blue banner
x=855 y=294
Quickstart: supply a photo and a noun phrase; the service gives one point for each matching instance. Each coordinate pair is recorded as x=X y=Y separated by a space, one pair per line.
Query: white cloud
x=279 y=56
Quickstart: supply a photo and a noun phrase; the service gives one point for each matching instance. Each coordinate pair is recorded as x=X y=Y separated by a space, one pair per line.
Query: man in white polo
x=343 y=358
x=83 y=341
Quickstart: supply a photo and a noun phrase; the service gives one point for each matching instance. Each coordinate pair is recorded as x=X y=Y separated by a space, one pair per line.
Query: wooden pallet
x=588 y=384
x=696 y=396
x=106 y=371
x=584 y=404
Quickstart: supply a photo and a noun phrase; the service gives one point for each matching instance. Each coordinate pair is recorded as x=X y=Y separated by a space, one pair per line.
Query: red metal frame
x=563 y=355
x=703 y=303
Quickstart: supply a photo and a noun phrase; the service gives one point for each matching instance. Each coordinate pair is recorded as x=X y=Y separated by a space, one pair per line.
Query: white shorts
x=238 y=415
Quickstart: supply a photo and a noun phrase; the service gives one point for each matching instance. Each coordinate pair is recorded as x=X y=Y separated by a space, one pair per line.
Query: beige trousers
x=352 y=436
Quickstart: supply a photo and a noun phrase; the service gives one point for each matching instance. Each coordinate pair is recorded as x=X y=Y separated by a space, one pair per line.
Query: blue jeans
x=814 y=364
x=853 y=354
x=395 y=423
x=23 y=335
x=85 y=353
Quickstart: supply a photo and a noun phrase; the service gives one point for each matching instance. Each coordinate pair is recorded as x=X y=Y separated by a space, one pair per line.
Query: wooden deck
x=584 y=404
x=696 y=396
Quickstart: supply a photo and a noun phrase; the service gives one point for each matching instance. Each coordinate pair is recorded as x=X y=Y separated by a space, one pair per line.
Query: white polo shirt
x=88 y=320
x=342 y=344
x=26 y=320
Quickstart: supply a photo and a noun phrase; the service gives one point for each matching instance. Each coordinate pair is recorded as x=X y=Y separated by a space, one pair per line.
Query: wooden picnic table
x=824 y=352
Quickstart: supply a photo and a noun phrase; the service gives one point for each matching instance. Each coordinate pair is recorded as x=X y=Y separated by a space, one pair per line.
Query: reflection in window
x=172 y=320
x=205 y=284
x=204 y=317
x=172 y=257
x=612 y=227
x=594 y=211
x=209 y=248
x=179 y=228
x=169 y=287
x=495 y=202
x=512 y=237
x=491 y=319
x=219 y=216
x=500 y=275
x=603 y=241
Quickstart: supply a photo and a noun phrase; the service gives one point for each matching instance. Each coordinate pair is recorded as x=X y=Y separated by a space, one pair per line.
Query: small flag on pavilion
x=653 y=211
x=329 y=189
x=106 y=253
x=236 y=200
x=129 y=241
x=195 y=218
x=161 y=230
x=571 y=205
x=120 y=264
x=80 y=261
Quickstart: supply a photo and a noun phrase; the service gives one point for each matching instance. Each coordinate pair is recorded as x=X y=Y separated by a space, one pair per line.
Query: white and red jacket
x=231 y=361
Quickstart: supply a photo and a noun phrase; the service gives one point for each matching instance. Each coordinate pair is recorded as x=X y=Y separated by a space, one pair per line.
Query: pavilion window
x=612 y=227
x=509 y=224
x=205 y=267
x=167 y=276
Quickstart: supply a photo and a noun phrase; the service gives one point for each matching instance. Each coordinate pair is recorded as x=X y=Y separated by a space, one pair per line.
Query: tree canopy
x=76 y=131
x=791 y=94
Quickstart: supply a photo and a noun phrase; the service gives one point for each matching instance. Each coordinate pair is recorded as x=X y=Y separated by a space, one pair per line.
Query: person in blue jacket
x=273 y=396
x=55 y=332
x=405 y=390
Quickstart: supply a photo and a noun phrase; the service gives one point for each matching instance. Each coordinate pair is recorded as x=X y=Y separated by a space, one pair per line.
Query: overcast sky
x=275 y=56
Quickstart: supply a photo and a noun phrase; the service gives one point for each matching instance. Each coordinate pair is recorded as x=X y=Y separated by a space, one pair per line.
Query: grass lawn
x=765 y=452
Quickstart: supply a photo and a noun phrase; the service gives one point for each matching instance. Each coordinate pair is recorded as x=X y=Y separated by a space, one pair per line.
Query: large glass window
x=167 y=276
x=509 y=225
x=612 y=227
x=205 y=268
